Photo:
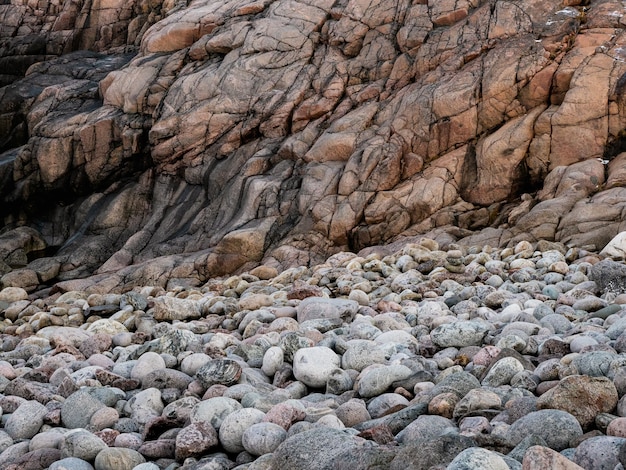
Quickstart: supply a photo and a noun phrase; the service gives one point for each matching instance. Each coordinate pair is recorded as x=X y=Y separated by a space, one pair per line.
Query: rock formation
x=169 y=141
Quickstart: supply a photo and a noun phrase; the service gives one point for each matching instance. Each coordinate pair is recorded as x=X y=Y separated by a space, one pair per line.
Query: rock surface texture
x=170 y=141
x=255 y=381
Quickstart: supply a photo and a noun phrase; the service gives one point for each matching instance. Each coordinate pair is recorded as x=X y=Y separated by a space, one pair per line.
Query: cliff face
x=153 y=141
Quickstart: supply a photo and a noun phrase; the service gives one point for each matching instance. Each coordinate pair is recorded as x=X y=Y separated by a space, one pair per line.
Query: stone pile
x=431 y=357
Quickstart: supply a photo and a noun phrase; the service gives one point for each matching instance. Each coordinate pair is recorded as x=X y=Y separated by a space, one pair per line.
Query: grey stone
x=320 y=307
x=26 y=421
x=609 y=275
x=82 y=444
x=459 y=334
x=476 y=458
x=263 y=438
x=71 y=463
x=78 y=408
x=558 y=428
x=422 y=454
x=599 y=453
x=118 y=458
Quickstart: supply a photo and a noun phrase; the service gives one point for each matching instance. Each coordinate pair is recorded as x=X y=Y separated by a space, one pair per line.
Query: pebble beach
x=431 y=357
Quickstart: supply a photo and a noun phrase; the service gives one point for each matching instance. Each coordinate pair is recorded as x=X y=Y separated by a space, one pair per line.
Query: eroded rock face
x=199 y=138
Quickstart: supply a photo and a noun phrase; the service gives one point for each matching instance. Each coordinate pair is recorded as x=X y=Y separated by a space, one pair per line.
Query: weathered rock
x=582 y=396
x=366 y=126
x=539 y=457
x=558 y=428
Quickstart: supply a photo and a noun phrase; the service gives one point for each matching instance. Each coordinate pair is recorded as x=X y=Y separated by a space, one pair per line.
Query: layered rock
x=195 y=140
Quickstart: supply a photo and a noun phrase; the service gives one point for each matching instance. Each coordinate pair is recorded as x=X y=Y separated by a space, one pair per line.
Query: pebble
x=26 y=420
x=263 y=438
x=262 y=372
x=118 y=458
x=82 y=444
x=235 y=424
x=558 y=428
x=312 y=365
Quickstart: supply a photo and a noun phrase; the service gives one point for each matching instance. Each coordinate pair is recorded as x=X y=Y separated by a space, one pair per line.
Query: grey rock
x=118 y=458
x=26 y=421
x=78 y=408
x=319 y=307
x=599 y=453
x=263 y=438
x=425 y=427
x=71 y=463
x=476 y=458
x=422 y=454
x=235 y=424
x=82 y=444
x=557 y=428
x=316 y=449
x=609 y=275
x=459 y=334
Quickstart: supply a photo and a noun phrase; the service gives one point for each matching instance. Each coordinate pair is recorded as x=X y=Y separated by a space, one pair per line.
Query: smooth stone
x=71 y=463
x=476 y=400
x=459 y=334
x=606 y=312
x=580 y=342
x=180 y=409
x=78 y=408
x=425 y=427
x=312 y=366
x=145 y=405
x=352 y=412
x=166 y=378
x=609 y=275
x=381 y=404
x=193 y=362
x=104 y=418
x=339 y=381
x=582 y=396
x=459 y=383
x=285 y=414
x=106 y=326
x=234 y=425
x=263 y=438
x=273 y=359
x=118 y=458
x=51 y=439
x=594 y=363
x=599 y=452
x=476 y=458
x=148 y=362
x=13 y=294
x=317 y=449
x=558 y=428
x=39 y=459
x=14 y=452
x=195 y=439
x=589 y=304
x=541 y=458
x=377 y=379
x=502 y=372
x=556 y=322
x=214 y=410
x=362 y=353
x=219 y=371
x=82 y=444
x=172 y=308
x=319 y=307
x=617 y=427
x=425 y=453
x=395 y=421
x=26 y=421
